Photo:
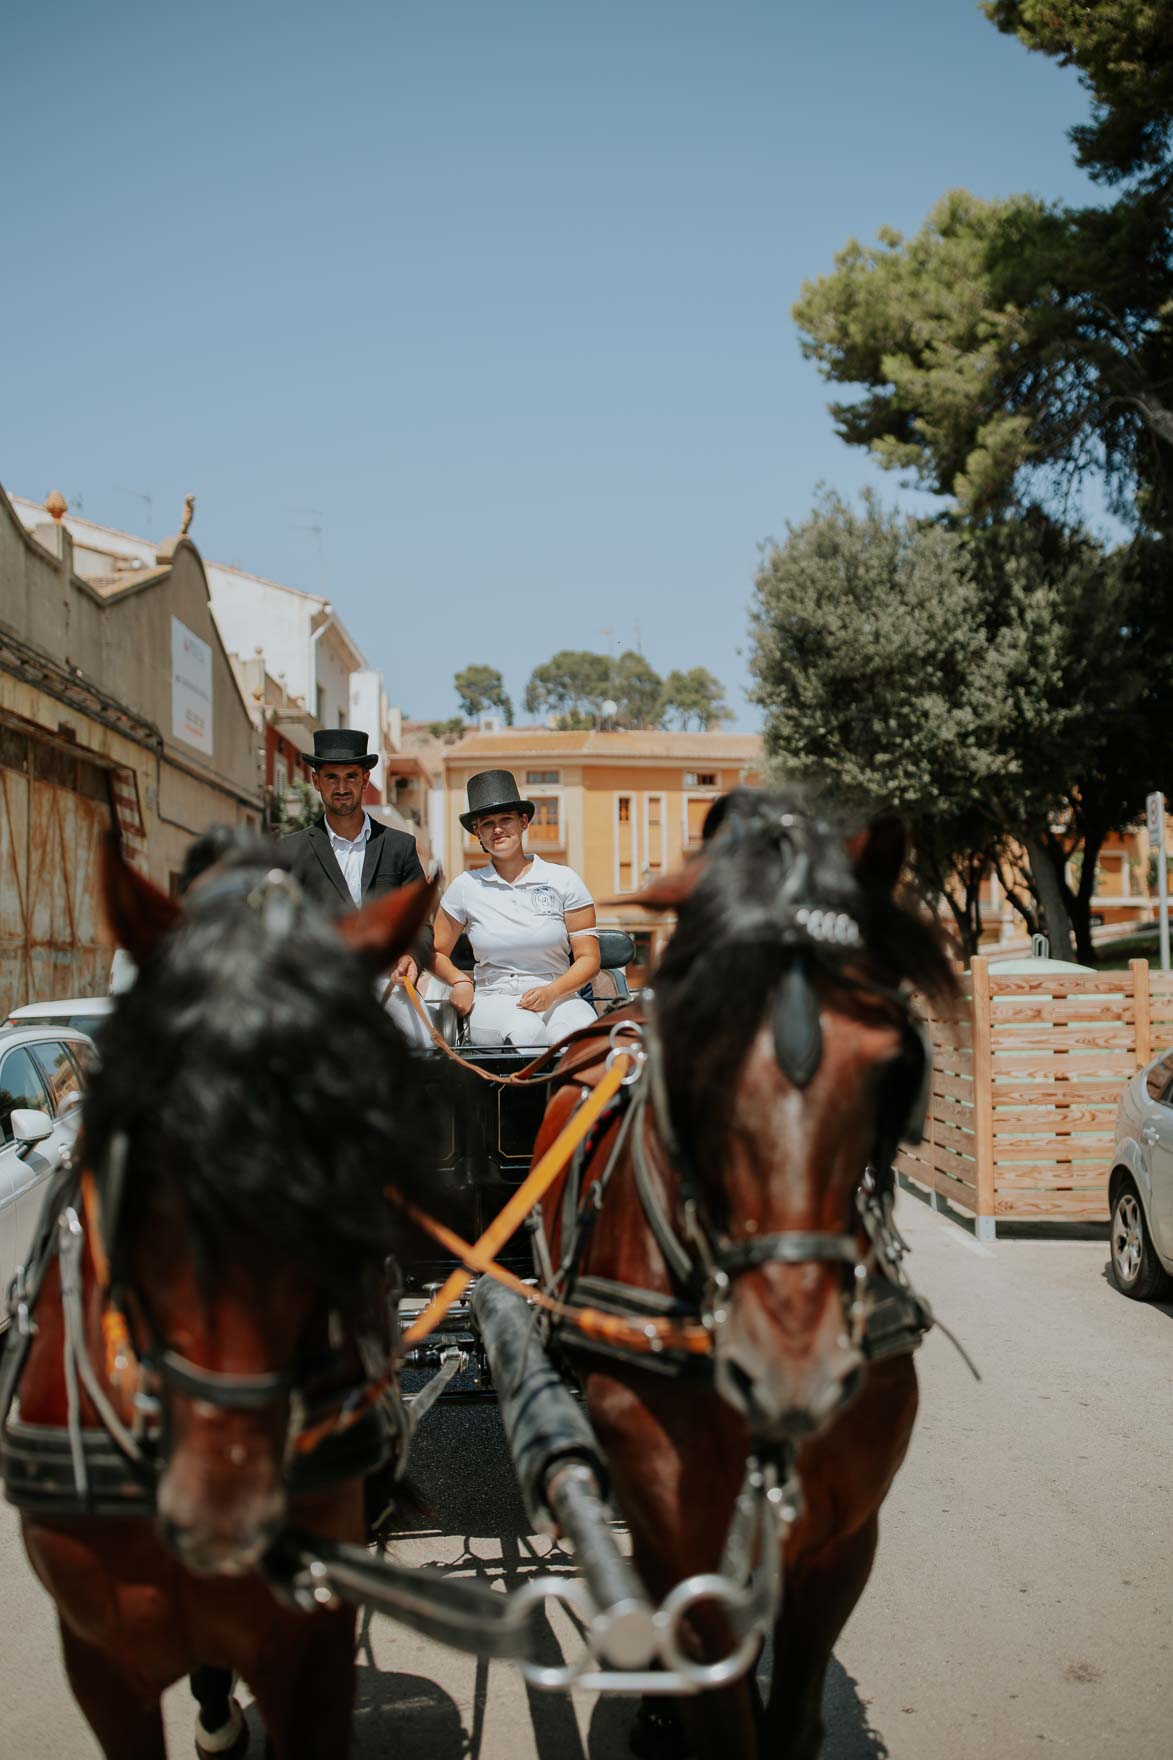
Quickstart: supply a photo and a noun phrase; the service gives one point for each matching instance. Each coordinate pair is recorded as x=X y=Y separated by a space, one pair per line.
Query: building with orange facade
x=618 y=808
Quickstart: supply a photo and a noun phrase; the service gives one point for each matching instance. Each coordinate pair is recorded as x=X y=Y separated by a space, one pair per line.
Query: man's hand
x=405 y=969
x=537 y=1001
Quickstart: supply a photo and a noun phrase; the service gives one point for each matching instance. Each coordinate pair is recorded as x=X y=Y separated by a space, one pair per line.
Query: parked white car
x=1140 y=1190
x=86 y=1013
x=43 y=1071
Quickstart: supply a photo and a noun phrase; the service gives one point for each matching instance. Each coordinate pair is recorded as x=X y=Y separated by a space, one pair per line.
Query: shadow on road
x=460 y=1462
x=850 y=1735
x=405 y=1714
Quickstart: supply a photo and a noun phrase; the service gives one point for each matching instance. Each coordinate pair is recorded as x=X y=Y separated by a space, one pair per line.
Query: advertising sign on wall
x=191 y=688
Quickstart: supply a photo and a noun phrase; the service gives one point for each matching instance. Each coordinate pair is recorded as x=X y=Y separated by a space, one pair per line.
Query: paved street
x=1020 y=1605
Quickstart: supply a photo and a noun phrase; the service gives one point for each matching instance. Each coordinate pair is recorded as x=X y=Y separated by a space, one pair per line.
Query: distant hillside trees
x=575 y=685
x=482 y=687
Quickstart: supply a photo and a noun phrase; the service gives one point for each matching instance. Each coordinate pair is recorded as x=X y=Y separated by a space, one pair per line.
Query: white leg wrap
x=219 y=1741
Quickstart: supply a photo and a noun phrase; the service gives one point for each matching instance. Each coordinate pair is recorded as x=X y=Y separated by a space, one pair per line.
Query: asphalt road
x=1021 y=1602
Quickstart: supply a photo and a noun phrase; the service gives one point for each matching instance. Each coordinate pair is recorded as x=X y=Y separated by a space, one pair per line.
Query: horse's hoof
x=658 y=1733
x=228 y=1742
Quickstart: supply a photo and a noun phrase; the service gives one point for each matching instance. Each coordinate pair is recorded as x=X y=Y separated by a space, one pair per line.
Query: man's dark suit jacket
x=391 y=860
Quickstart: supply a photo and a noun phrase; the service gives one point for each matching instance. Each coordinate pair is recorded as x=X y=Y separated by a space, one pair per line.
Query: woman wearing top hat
x=531 y=925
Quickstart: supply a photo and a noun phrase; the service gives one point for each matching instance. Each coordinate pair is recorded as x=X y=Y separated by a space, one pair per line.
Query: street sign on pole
x=1155 y=807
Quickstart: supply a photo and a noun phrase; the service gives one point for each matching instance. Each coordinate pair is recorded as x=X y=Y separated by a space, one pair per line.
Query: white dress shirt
x=350 y=855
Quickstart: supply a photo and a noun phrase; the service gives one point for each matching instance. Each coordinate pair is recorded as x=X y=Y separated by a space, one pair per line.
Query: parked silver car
x=86 y=1013
x=1140 y=1190
x=42 y=1073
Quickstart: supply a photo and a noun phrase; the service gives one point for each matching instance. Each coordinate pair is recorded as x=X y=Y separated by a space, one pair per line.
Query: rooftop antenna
x=145 y=496
x=316 y=530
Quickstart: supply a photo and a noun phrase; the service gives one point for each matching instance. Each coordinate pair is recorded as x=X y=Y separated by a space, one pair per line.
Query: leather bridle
x=702 y=1257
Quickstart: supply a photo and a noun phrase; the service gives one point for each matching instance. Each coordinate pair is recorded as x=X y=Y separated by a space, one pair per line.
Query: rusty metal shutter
x=54 y=811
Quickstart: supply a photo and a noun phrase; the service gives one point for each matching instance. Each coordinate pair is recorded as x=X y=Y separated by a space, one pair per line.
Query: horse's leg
x=305 y=1693
x=677 y=1499
x=817 y=1603
x=220 y=1727
x=125 y=1718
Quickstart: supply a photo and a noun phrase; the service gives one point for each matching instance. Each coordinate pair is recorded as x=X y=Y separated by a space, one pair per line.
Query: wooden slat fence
x=1026 y=1083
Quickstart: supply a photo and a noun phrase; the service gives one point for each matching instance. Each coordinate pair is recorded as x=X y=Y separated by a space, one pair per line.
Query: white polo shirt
x=517 y=928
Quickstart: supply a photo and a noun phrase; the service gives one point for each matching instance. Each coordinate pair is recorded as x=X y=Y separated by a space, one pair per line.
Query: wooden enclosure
x=1027 y=1078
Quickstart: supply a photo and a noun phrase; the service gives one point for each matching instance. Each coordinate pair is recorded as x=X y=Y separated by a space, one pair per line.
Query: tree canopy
x=995 y=687
x=1011 y=347
x=482 y=687
x=695 y=695
x=575 y=684
x=1124 y=52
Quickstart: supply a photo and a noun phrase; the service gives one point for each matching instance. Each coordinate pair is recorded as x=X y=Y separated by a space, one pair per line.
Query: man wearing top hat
x=347 y=858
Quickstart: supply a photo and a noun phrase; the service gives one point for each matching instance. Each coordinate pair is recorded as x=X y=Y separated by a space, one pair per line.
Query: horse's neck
x=621 y=1245
x=42 y=1385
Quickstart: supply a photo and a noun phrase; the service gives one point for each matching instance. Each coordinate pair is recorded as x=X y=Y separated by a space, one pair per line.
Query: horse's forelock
x=259 y=1068
x=767 y=856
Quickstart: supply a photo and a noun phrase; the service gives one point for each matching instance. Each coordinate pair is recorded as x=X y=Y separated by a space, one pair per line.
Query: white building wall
x=368 y=704
x=253 y=613
x=330 y=698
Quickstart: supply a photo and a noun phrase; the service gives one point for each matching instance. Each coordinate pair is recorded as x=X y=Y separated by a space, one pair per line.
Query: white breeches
x=405 y=1017
x=497 y=1020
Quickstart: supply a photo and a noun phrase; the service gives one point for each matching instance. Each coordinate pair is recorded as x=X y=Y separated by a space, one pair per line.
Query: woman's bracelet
x=457 y=981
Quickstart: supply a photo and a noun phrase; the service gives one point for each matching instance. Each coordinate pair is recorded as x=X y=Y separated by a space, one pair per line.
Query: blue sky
x=494 y=292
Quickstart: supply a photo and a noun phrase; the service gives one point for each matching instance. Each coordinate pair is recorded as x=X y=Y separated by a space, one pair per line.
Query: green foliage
x=996 y=686
x=449 y=731
x=1124 y=52
x=916 y=324
x=695 y=694
x=482 y=687
x=1011 y=347
x=639 y=691
x=574 y=681
x=297 y=808
x=575 y=684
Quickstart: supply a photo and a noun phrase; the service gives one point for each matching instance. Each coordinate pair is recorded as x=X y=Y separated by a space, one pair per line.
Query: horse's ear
x=379 y=932
x=667 y=893
x=138 y=914
x=878 y=852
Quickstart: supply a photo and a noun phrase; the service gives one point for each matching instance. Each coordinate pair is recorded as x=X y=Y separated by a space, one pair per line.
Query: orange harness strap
x=534 y=1188
x=119 y=1350
x=637 y=1335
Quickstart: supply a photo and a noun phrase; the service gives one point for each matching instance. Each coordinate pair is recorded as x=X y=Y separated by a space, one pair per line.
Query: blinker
x=798 y=1036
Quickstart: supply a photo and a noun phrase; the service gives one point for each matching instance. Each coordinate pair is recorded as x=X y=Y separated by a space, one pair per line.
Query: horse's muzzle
x=209 y=1552
x=786 y=1387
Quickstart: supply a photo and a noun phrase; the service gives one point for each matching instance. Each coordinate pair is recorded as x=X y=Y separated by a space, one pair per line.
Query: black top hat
x=488 y=792
x=340 y=745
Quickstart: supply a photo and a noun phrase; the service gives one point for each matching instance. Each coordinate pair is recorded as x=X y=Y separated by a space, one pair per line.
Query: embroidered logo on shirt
x=544 y=900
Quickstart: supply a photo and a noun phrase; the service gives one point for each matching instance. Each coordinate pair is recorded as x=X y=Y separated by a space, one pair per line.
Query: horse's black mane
x=252 y=1063
x=766 y=857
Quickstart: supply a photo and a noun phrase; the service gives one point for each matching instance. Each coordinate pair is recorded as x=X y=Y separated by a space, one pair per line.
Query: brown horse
x=214 y=1320
x=782 y=1060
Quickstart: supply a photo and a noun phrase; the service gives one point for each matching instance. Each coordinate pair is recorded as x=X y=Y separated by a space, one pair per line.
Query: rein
x=527 y=1076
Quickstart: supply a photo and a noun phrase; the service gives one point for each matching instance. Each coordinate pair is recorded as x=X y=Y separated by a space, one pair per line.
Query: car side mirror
x=30 y=1125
